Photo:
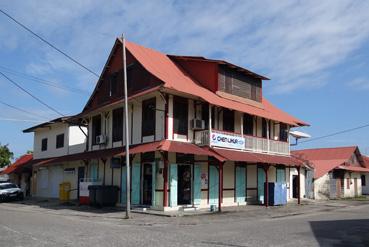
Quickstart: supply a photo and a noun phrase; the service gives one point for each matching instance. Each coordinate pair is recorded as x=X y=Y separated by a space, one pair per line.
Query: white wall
x=135 y=118
x=350 y=179
x=290 y=172
x=322 y=187
x=74 y=140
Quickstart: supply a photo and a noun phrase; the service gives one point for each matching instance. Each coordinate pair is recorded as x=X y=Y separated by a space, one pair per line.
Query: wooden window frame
x=117 y=127
x=228 y=118
x=148 y=126
x=44 y=144
x=59 y=141
x=181 y=127
x=94 y=133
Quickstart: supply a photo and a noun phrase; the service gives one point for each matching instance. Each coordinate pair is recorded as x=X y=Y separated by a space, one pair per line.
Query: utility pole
x=128 y=180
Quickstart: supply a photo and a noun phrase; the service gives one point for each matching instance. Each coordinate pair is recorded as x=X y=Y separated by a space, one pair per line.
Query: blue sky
x=316 y=54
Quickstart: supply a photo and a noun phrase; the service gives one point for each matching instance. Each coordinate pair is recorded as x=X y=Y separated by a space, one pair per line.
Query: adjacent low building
x=338 y=172
x=20 y=173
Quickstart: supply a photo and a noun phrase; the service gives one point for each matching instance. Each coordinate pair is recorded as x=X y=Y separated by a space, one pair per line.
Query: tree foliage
x=5 y=155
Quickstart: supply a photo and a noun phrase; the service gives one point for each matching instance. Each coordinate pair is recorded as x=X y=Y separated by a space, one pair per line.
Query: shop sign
x=227 y=141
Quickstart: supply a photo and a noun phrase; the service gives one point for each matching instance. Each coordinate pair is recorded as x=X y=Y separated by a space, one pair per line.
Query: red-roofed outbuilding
x=338 y=171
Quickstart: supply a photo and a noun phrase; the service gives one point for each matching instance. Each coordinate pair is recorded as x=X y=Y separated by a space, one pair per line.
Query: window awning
x=243 y=156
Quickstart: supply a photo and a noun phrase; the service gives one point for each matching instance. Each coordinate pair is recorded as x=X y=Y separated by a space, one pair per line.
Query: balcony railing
x=237 y=141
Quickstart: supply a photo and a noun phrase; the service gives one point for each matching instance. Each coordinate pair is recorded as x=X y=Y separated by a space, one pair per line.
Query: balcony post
x=244 y=146
x=268 y=136
x=210 y=124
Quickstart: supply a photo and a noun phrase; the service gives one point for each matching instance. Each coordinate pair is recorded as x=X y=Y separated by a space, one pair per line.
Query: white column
x=268 y=137
x=210 y=123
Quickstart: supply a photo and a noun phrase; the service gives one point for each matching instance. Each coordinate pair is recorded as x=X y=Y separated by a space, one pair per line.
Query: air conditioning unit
x=101 y=139
x=197 y=124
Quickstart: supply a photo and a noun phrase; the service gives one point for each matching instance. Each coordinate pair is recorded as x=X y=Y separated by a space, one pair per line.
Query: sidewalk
x=54 y=207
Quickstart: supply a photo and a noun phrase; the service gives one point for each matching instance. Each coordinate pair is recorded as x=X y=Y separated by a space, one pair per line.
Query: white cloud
x=294 y=43
x=359 y=84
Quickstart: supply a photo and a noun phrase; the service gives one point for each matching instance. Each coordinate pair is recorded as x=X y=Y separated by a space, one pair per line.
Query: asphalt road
x=24 y=225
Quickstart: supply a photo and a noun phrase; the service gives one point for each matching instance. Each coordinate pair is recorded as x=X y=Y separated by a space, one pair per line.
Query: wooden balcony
x=237 y=141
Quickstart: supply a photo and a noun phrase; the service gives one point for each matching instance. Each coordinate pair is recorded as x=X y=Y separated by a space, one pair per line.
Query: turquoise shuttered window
x=281 y=175
x=123 y=195
x=136 y=185
x=173 y=179
x=197 y=184
x=261 y=181
x=213 y=185
x=153 y=183
x=240 y=183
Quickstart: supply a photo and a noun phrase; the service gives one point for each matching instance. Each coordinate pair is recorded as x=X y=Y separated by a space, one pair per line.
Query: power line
x=48 y=43
x=336 y=133
x=43 y=81
x=19 y=120
x=30 y=94
x=21 y=110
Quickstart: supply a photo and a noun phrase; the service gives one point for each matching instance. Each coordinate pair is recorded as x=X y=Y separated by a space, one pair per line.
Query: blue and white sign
x=227 y=141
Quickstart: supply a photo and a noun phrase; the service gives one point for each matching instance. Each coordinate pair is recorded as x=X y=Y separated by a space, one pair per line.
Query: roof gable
x=114 y=65
x=326 y=159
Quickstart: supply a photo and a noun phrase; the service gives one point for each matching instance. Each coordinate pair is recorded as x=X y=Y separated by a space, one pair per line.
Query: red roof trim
x=21 y=162
x=243 y=156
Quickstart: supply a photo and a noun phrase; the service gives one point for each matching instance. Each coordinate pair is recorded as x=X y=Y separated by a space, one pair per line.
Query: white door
x=56 y=178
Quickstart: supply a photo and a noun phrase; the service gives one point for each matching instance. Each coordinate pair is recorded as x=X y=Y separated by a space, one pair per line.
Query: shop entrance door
x=295 y=186
x=184 y=185
x=147 y=184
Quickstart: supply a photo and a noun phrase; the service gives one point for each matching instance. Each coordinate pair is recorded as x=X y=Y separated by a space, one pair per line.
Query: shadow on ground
x=73 y=205
x=341 y=232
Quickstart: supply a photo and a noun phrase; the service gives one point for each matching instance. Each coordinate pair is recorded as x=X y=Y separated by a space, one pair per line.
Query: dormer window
x=234 y=82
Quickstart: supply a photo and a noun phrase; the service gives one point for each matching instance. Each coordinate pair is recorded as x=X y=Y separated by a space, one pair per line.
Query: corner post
x=266 y=187
x=298 y=185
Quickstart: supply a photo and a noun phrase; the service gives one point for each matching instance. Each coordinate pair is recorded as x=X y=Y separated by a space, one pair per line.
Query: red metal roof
x=18 y=164
x=326 y=159
x=173 y=146
x=197 y=58
x=174 y=78
x=241 y=156
x=326 y=153
x=164 y=145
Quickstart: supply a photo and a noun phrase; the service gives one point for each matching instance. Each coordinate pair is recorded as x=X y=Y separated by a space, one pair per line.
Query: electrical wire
x=48 y=43
x=20 y=120
x=336 y=133
x=30 y=94
x=22 y=110
x=43 y=81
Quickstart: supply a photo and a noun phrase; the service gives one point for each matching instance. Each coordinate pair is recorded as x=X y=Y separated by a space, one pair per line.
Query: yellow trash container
x=64 y=191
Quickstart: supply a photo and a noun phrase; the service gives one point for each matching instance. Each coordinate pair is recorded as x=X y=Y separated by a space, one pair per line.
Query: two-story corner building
x=201 y=133
x=52 y=141
x=338 y=172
